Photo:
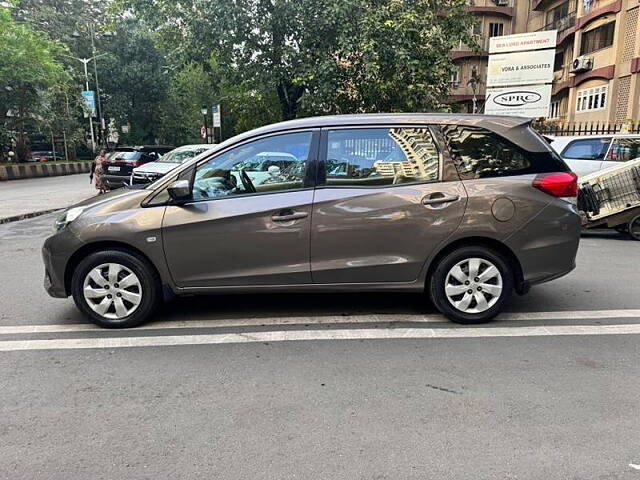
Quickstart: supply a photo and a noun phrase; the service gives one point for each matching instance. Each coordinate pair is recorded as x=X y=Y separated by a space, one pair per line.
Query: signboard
x=520 y=68
x=530 y=101
x=216 y=115
x=521 y=42
x=89 y=103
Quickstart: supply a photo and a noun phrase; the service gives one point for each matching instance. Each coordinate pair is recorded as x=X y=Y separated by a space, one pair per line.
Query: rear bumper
x=547 y=246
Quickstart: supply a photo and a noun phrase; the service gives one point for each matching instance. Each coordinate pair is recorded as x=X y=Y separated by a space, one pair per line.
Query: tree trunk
x=289 y=96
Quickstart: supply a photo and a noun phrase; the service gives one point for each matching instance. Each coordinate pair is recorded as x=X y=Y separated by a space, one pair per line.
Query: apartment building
x=597 y=63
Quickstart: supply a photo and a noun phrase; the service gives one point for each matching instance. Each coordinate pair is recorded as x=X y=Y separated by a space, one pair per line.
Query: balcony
x=465 y=51
x=566 y=27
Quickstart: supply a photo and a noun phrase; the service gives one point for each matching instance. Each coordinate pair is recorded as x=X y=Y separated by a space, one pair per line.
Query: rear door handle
x=287 y=216
x=439 y=198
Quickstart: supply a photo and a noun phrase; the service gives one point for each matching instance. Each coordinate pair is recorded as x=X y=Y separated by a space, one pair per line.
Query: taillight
x=563 y=184
x=136 y=163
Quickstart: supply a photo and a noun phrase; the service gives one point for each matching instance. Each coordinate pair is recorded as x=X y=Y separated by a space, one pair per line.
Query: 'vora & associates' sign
x=526 y=101
x=520 y=68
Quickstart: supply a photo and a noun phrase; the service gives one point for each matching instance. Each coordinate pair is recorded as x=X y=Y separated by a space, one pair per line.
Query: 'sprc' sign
x=529 y=101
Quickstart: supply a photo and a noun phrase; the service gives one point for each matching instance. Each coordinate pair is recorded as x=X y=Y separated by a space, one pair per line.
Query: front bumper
x=56 y=253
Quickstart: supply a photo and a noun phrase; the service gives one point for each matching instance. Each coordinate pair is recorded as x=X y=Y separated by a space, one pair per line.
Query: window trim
x=307 y=184
x=322 y=158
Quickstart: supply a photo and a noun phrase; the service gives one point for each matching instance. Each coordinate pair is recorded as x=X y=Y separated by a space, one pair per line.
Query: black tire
x=633 y=227
x=151 y=293
x=437 y=283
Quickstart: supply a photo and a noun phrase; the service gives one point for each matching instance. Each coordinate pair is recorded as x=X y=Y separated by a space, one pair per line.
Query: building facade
x=597 y=63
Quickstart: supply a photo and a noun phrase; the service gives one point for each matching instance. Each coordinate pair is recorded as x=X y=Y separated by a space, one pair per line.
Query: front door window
x=276 y=163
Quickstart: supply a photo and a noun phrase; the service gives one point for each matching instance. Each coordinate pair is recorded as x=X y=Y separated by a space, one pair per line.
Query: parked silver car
x=463 y=208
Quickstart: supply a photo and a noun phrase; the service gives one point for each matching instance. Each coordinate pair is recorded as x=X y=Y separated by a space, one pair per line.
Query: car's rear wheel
x=115 y=289
x=471 y=284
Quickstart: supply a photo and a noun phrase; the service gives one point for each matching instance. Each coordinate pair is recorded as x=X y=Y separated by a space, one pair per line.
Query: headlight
x=67 y=217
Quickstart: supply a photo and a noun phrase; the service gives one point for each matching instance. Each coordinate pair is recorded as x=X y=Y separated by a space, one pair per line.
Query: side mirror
x=179 y=191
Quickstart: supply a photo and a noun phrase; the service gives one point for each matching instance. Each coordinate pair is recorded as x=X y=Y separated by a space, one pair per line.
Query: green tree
x=28 y=67
x=321 y=55
x=189 y=89
x=134 y=81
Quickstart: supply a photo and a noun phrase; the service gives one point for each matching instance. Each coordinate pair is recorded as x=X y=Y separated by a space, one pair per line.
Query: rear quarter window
x=479 y=153
x=587 y=149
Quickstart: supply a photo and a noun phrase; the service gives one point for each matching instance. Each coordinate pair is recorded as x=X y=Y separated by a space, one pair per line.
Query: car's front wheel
x=115 y=289
x=471 y=284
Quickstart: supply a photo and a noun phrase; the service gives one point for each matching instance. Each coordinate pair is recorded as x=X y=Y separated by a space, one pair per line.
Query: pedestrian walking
x=97 y=171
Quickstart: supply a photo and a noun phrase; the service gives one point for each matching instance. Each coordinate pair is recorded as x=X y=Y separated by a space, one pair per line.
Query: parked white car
x=150 y=172
x=589 y=153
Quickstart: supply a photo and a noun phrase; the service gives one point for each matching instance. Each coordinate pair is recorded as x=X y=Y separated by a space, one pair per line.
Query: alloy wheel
x=112 y=290
x=473 y=285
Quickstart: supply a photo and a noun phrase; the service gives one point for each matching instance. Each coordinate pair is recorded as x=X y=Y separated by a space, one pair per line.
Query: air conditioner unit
x=581 y=64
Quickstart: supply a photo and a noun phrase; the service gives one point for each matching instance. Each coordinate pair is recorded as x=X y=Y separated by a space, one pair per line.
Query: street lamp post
x=204 y=110
x=84 y=62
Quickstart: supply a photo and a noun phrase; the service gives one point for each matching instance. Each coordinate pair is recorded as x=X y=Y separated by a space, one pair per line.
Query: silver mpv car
x=465 y=209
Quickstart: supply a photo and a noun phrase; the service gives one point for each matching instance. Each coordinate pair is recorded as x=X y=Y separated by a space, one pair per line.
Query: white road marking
x=321 y=320
x=634 y=466
x=298 y=335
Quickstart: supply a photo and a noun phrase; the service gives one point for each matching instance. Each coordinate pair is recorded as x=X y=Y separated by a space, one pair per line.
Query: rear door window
x=624 y=149
x=363 y=157
x=587 y=149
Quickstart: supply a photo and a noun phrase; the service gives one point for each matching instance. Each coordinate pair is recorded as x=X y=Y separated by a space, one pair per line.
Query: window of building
x=496 y=29
x=557 y=13
x=454 y=80
x=266 y=165
x=554 y=109
x=598 y=38
x=477 y=27
x=590 y=99
x=558 y=61
x=381 y=156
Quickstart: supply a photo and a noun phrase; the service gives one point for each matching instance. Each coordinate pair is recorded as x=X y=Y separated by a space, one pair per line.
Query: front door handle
x=439 y=199
x=288 y=215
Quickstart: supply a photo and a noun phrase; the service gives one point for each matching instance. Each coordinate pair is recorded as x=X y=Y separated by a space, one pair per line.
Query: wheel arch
x=520 y=286
x=99 y=246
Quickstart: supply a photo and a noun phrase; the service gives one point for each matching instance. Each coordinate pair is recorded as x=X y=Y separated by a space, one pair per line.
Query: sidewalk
x=25 y=198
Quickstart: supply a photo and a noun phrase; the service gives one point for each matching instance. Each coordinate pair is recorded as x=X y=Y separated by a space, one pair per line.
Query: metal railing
x=587 y=128
x=561 y=24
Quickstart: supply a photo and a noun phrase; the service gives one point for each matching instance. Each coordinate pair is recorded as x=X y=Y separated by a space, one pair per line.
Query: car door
x=380 y=207
x=235 y=233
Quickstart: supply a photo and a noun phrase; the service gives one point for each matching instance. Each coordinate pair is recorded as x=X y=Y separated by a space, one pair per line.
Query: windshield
x=127 y=155
x=180 y=156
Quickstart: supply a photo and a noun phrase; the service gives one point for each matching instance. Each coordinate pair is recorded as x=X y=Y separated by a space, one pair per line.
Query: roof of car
x=396 y=118
x=499 y=124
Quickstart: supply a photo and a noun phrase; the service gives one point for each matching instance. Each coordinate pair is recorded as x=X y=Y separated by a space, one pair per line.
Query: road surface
x=19 y=197
x=227 y=387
